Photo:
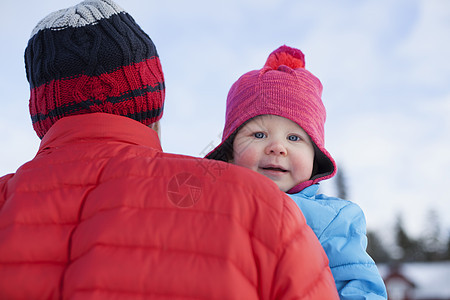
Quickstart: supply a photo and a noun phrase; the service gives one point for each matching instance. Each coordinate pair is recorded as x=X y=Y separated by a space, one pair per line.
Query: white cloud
x=428 y=46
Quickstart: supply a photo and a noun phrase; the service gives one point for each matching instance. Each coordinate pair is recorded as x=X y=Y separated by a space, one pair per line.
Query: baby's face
x=277 y=148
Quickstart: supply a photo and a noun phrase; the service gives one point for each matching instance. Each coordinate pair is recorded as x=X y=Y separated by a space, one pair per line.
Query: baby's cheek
x=246 y=158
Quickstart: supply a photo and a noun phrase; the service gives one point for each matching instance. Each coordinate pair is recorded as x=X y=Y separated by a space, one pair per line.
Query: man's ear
x=156 y=126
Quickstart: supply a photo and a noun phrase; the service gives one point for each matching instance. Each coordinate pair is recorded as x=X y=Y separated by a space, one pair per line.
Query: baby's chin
x=286 y=189
x=283 y=187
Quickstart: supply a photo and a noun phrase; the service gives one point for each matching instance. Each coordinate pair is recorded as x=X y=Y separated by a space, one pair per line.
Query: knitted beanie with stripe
x=89 y=58
x=283 y=87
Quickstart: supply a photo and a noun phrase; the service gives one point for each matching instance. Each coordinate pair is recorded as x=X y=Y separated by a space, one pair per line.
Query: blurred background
x=384 y=65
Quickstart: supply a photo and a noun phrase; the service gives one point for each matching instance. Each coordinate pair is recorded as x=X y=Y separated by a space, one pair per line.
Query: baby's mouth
x=277 y=169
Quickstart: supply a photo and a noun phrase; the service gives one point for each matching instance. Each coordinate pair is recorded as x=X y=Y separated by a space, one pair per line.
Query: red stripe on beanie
x=126 y=91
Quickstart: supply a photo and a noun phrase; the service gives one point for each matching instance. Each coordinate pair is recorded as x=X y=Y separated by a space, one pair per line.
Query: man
x=102 y=213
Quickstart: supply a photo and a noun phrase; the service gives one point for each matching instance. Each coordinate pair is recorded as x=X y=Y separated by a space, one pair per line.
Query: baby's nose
x=276 y=148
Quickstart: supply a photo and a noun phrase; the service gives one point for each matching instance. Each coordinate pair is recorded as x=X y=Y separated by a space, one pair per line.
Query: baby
x=275 y=126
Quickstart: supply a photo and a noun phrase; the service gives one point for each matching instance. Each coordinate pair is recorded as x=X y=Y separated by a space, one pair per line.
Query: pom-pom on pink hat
x=283 y=87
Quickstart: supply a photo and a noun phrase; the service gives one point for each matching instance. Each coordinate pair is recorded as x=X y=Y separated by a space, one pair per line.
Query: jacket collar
x=99 y=126
x=310 y=191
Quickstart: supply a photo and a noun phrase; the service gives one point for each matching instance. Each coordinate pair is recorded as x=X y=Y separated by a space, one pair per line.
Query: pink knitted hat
x=284 y=88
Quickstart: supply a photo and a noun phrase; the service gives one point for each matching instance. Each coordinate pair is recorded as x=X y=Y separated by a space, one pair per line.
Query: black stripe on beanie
x=70 y=110
x=74 y=108
x=101 y=47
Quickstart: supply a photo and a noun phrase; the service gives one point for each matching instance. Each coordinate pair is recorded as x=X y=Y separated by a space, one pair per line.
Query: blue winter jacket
x=340 y=226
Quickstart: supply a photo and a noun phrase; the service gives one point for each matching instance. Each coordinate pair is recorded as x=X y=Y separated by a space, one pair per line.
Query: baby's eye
x=259 y=135
x=294 y=138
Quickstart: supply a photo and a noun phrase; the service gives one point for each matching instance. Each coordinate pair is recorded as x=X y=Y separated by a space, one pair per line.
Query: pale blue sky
x=384 y=66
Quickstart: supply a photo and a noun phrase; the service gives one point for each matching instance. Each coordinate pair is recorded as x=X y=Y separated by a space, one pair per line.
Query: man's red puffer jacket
x=102 y=213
